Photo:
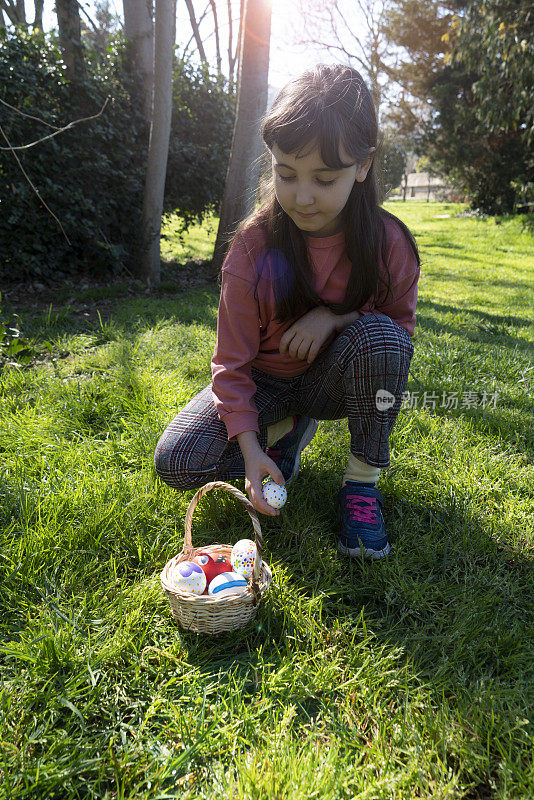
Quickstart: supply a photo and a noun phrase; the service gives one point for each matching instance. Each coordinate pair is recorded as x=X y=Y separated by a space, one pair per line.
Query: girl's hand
x=257 y=466
x=306 y=336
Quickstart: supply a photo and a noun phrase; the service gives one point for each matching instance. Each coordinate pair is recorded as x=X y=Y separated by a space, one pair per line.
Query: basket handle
x=258 y=538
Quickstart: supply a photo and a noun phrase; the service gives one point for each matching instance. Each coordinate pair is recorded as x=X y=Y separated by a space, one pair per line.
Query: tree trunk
x=243 y=169
x=158 y=148
x=70 y=38
x=139 y=31
x=237 y=57
x=230 y=45
x=38 y=20
x=21 y=12
x=217 y=43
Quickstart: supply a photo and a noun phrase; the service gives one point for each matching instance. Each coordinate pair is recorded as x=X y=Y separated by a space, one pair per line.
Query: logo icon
x=384 y=399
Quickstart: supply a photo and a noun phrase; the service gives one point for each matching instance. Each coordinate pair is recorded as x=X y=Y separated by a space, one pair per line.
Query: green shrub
x=201 y=134
x=492 y=167
x=91 y=176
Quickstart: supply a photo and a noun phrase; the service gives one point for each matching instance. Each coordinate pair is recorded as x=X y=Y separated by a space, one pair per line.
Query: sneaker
x=286 y=452
x=363 y=532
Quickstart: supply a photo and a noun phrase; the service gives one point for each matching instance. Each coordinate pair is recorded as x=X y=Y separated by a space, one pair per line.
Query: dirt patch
x=88 y=297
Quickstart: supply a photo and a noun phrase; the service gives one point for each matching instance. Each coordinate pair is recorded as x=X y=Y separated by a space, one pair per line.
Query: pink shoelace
x=357 y=513
x=276 y=452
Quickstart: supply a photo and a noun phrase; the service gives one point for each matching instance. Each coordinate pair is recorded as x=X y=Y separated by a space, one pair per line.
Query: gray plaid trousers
x=361 y=376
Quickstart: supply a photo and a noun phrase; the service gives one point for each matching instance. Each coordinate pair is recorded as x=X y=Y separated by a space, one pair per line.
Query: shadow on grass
x=451 y=597
x=488 y=327
x=512 y=421
x=126 y=317
x=454 y=602
x=473 y=280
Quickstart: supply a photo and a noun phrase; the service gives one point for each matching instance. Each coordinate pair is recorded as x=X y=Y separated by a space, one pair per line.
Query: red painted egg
x=212 y=566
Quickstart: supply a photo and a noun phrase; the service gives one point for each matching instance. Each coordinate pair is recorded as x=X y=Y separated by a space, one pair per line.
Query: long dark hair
x=329 y=105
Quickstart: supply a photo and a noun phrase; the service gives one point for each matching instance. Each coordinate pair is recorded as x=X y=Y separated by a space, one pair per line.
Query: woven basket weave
x=205 y=613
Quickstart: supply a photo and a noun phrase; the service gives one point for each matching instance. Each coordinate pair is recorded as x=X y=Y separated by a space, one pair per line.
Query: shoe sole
x=366 y=552
x=307 y=436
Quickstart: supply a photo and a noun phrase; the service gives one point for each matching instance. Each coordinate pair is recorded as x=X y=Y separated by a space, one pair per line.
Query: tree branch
x=51 y=135
x=356 y=38
x=196 y=32
x=199 y=23
x=13 y=11
x=29 y=116
x=31 y=184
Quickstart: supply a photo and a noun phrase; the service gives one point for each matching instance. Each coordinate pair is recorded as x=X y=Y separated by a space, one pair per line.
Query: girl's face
x=311 y=193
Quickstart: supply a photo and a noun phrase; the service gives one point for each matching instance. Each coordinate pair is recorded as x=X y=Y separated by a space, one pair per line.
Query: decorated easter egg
x=227 y=583
x=243 y=557
x=274 y=494
x=212 y=566
x=189 y=577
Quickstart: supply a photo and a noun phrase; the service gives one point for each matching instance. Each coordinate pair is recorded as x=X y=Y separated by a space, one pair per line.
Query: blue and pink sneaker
x=287 y=451
x=363 y=532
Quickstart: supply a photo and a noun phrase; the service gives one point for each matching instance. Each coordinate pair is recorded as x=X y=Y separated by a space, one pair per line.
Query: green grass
x=410 y=678
x=198 y=242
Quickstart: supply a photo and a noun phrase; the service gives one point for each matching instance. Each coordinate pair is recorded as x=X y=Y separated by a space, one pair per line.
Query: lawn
x=411 y=678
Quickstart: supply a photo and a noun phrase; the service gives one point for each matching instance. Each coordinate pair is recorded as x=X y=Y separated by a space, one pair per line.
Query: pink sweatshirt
x=247 y=333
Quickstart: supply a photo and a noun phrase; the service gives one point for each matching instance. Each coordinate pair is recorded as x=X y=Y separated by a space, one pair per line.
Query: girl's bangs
x=299 y=134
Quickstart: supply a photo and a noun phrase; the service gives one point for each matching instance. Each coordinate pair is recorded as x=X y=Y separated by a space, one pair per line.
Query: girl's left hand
x=306 y=336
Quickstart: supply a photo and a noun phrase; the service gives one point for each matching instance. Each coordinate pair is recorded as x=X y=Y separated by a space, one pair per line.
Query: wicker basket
x=204 y=613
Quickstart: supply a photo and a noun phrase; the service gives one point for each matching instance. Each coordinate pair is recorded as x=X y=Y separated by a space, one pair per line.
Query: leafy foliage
x=201 y=134
x=470 y=64
x=490 y=166
x=495 y=42
x=92 y=176
x=484 y=127
x=392 y=163
x=416 y=28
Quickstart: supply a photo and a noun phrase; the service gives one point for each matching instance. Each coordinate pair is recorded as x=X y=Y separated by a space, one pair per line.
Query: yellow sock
x=360 y=471
x=279 y=429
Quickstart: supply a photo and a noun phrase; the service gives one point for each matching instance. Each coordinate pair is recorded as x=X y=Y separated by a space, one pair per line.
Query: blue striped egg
x=227 y=583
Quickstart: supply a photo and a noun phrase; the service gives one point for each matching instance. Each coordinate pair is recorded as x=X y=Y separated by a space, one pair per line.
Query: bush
x=201 y=135
x=391 y=165
x=92 y=176
x=491 y=167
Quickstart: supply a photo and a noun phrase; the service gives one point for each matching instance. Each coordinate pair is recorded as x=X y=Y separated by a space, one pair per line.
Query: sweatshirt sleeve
x=400 y=302
x=238 y=341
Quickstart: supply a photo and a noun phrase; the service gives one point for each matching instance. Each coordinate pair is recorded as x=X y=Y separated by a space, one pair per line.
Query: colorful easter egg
x=211 y=566
x=243 y=557
x=227 y=583
x=189 y=577
x=274 y=494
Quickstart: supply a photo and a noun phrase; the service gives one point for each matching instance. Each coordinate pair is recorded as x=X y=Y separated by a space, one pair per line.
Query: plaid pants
x=361 y=376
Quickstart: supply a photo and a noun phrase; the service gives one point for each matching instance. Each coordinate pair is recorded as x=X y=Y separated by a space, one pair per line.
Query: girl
x=318 y=293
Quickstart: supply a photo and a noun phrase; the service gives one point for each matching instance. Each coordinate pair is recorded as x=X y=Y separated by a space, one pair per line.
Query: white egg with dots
x=189 y=577
x=274 y=494
x=243 y=557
